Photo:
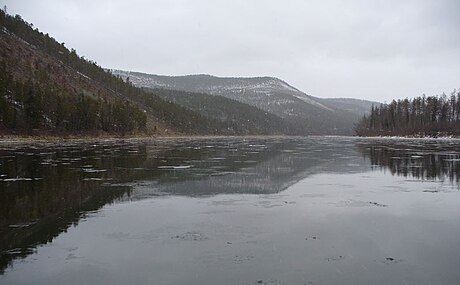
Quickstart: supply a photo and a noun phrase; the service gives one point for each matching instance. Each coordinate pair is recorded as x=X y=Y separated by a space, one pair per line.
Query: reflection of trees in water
x=271 y=173
x=21 y=239
x=67 y=183
x=261 y=167
x=428 y=161
x=70 y=181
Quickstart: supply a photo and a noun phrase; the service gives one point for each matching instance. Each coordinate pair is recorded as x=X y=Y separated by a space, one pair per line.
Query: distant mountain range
x=307 y=114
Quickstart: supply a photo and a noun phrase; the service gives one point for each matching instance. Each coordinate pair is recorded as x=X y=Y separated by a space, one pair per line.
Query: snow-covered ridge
x=233 y=87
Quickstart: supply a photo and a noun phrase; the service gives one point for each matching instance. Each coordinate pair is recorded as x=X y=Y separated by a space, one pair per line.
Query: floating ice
x=20 y=179
x=91 y=170
x=175 y=167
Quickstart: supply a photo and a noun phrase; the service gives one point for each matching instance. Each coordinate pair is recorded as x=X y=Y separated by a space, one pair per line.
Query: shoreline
x=13 y=139
x=409 y=137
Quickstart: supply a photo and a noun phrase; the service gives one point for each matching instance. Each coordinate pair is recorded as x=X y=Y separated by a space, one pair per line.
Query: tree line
x=29 y=105
x=420 y=116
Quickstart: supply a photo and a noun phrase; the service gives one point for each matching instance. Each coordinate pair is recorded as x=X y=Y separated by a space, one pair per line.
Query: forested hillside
x=46 y=87
x=234 y=116
x=421 y=116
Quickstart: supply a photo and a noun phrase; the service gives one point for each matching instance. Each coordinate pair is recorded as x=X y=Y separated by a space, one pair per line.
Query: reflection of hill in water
x=251 y=168
x=47 y=188
x=421 y=159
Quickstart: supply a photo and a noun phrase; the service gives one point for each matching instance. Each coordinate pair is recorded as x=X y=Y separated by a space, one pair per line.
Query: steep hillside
x=46 y=87
x=234 y=116
x=309 y=114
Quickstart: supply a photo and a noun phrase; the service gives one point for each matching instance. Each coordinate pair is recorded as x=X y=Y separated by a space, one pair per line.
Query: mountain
x=308 y=114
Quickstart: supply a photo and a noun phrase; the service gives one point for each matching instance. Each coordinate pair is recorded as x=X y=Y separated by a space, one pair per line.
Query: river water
x=315 y=210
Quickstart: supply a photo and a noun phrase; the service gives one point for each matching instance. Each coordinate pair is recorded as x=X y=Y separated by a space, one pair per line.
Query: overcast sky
x=376 y=50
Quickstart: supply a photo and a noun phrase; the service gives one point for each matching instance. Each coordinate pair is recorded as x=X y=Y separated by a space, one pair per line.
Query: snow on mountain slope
x=270 y=94
x=267 y=86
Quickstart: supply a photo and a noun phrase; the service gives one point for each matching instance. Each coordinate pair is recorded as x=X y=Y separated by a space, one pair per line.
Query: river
x=313 y=210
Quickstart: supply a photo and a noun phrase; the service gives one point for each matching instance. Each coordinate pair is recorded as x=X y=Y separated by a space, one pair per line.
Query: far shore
x=21 y=139
x=11 y=139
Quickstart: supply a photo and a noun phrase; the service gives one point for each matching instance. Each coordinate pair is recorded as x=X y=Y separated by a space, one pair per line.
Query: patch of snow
x=83 y=75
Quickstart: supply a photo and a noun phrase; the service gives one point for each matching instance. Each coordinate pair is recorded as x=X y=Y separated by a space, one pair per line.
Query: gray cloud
x=366 y=49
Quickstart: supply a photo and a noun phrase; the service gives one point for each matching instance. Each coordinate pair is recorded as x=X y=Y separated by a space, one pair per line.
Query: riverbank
x=16 y=139
x=411 y=137
x=88 y=139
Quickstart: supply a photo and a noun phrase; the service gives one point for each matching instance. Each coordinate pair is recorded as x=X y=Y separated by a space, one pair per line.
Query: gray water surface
x=231 y=211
